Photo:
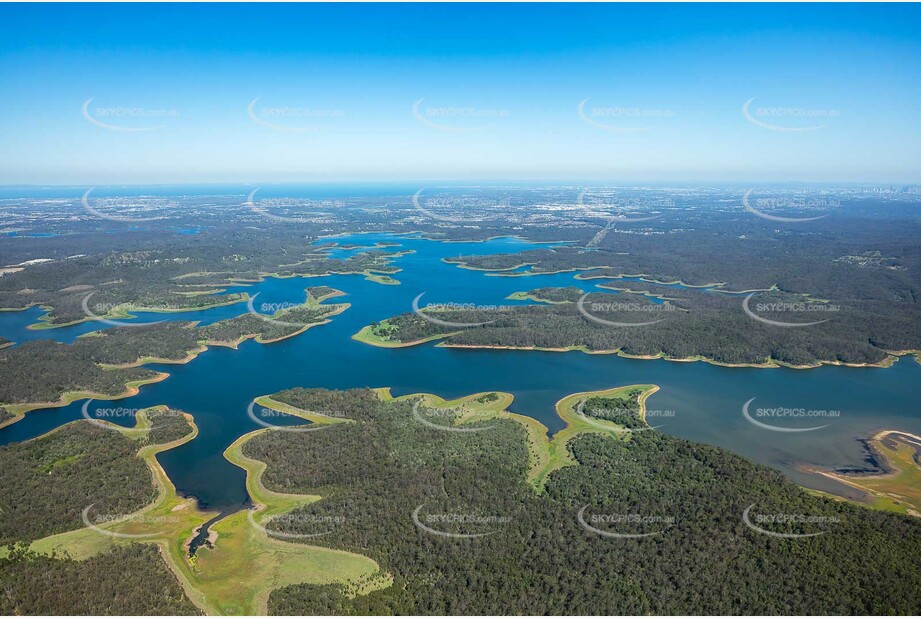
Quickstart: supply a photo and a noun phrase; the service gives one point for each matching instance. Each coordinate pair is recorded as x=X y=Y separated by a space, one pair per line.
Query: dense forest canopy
x=127 y=581
x=47 y=482
x=690 y=323
x=43 y=371
x=375 y=472
x=501 y=546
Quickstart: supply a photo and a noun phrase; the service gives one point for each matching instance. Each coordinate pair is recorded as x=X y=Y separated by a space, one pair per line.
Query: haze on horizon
x=139 y=94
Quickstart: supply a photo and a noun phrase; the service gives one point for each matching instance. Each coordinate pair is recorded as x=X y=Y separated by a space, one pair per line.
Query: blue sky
x=141 y=94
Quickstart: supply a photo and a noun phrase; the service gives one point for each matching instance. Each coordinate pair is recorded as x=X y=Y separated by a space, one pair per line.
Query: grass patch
x=378 y=336
x=899 y=489
x=245 y=564
x=546 y=455
x=382 y=279
x=270 y=563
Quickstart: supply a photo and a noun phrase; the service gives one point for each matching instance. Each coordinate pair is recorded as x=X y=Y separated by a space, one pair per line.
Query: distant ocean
x=307 y=190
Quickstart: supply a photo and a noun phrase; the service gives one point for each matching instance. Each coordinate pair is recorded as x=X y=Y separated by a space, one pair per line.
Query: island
x=107 y=364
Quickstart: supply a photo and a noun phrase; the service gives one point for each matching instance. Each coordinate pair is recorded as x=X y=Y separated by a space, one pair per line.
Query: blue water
x=14 y=324
x=706 y=401
x=33 y=235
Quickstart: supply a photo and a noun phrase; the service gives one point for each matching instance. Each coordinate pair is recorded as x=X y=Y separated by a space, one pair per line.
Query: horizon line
x=461 y=182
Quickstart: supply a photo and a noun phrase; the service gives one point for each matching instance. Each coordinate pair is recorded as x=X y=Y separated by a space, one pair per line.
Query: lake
x=697 y=401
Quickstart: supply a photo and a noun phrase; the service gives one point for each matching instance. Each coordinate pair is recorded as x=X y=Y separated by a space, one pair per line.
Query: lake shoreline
x=889 y=479
x=127 y=313
x=132 y=388
x=365 y=336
